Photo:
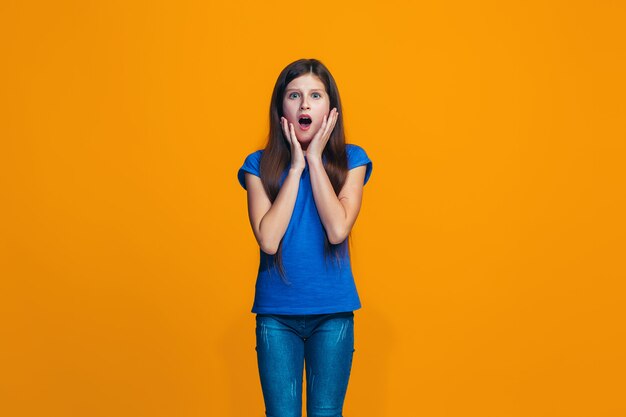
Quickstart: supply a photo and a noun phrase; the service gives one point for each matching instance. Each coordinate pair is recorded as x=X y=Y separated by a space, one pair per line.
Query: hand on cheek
x=319 y=141
x=297 y=155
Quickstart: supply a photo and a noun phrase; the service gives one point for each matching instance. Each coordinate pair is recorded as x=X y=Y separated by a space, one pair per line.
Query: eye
x=317 y=94
x=291 y=95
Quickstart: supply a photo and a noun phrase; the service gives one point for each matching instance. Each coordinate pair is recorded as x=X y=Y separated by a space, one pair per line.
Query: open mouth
x=305 y=123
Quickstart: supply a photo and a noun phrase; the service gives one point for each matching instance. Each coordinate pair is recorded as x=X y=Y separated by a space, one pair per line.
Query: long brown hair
x=276 y=156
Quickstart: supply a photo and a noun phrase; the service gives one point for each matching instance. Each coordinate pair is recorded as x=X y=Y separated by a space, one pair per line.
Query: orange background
x=489 y=252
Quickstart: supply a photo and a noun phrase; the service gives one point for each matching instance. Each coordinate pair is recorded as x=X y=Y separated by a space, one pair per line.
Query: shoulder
x=357 y=157
x=251 y=164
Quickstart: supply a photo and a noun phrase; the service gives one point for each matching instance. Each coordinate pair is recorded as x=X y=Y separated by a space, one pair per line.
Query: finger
x=296 y=144
x=323 y=127
x=335 y=117
x=331 y=123
x=286 y=132
x=293 y=133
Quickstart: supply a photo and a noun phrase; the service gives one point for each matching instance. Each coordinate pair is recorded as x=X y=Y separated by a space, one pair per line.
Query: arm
x=338 y=213
x=269 y=221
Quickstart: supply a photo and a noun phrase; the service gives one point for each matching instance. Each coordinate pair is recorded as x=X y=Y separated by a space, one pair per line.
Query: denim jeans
x=284 y=343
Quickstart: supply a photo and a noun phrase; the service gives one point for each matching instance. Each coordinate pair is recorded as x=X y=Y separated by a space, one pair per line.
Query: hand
x=319 y=141
x=297 y=156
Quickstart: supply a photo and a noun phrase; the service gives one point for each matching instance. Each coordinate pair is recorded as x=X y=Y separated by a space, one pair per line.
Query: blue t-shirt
x=315 y=284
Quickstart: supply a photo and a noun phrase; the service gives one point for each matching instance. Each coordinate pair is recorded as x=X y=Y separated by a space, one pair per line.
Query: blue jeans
x=325 y=342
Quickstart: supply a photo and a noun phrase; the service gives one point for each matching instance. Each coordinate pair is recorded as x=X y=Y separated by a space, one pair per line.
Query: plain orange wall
x=489 y=252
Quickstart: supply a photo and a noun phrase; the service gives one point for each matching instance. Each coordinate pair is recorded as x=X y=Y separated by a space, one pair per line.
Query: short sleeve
x=358 y=157
x=252 y=165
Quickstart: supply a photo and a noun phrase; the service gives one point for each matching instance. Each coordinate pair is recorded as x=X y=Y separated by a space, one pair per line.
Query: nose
x=304 y=104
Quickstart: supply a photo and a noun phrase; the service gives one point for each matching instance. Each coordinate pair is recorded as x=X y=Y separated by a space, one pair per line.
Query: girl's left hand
x=319 y=141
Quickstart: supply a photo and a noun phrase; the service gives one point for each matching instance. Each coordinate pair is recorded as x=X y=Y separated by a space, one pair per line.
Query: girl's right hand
x=297 y=156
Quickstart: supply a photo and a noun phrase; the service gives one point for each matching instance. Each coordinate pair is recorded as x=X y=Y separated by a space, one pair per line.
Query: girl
x=304 y=195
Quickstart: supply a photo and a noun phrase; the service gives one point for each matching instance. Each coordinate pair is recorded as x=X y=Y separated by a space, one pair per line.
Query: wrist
x=314 y=158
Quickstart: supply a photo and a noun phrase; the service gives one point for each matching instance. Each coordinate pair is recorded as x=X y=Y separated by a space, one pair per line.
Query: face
x=306 y=96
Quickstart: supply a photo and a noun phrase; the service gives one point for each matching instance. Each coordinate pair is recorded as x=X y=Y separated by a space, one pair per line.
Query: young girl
x=304 y=195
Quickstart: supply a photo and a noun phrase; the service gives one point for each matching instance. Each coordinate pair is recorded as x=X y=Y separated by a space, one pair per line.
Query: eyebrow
x=297 y=89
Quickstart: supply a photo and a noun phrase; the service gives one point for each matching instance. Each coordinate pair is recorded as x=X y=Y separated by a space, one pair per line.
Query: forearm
x=331 y=211
x=274 y=224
